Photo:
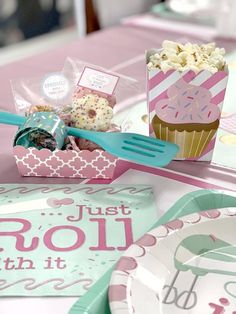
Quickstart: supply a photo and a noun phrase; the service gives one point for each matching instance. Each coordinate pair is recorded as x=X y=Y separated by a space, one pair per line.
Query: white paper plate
x=186 y=266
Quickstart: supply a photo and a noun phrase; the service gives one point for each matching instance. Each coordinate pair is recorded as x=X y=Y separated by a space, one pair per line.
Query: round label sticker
x=55 y=86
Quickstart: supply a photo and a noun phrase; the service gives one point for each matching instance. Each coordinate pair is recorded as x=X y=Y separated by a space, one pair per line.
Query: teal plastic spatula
x=130 y=146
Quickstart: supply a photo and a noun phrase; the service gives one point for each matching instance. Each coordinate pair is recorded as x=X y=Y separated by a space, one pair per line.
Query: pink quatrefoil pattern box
x=97 y=164
x=185 y=108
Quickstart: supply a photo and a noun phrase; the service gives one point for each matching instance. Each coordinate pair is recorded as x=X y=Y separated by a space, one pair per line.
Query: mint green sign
x=57 y=240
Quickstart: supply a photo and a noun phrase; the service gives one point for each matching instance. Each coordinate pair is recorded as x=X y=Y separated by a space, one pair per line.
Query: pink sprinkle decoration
x=163 y=107
x=176 y=115
x=209 y=113
x=190 y=97
x=213 y=237
x=224 y=301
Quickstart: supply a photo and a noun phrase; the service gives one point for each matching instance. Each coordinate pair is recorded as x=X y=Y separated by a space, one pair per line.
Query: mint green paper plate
x=96 y=299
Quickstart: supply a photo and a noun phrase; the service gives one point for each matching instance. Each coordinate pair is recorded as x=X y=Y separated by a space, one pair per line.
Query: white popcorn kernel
x=175 y=59
x=150 y=66
x=189 y=48
x=209 y=68
x=183 y=57
x=219 y=51
x=188 y=57
x=198 y=58
x=166 y=65
x=216 y=56
x=156 y=56
x=191 y=60
x=163 y=55
x=208 y=48
x=171 y=56
x=175 y=65
x=170 y=45
x=217 y=62
x=213 y=69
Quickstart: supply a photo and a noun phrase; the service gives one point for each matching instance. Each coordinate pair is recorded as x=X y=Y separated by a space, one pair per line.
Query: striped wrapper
x=158 y=84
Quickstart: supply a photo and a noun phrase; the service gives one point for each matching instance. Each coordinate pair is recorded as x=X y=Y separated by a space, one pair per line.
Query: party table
x=120 y=49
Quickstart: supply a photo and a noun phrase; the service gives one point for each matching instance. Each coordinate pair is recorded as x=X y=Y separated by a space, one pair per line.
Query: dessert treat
x=187 y=118
x=70 y=144
x=41 y=130
x=82 y=91
x=176 y=56
x=41 y=140
x=84 y=144
x=34 y=135
x=91 y=112
x=66 y=118
x=91 y=146
x=39 y=108
x=63 y=114
x=81 y=107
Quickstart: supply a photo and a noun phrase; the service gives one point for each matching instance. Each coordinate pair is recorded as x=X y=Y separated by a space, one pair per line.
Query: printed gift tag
x=98 y=80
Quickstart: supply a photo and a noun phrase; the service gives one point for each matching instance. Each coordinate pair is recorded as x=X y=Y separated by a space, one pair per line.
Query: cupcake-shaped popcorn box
x=185 y=87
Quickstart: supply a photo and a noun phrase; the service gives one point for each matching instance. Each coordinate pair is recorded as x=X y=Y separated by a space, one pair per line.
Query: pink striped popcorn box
x=97 y=164
x=184 y=108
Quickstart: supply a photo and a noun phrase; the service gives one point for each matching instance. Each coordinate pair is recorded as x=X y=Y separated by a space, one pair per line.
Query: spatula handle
x=11 y=118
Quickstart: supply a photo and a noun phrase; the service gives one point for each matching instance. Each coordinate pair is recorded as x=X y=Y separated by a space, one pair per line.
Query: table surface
x=121 y=49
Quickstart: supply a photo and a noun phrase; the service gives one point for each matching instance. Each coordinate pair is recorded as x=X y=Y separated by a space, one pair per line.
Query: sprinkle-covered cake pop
x=91 y=112
x=82 y=91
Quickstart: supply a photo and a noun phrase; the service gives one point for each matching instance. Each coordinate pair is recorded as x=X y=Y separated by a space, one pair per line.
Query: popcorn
x=167 y=65
x=175 y=56
x=170 y=45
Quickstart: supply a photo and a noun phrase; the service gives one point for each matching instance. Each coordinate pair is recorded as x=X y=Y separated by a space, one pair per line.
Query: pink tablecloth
x=121 y=49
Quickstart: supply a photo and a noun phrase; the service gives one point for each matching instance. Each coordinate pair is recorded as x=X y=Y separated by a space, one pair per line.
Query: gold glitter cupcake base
x=191 y=144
